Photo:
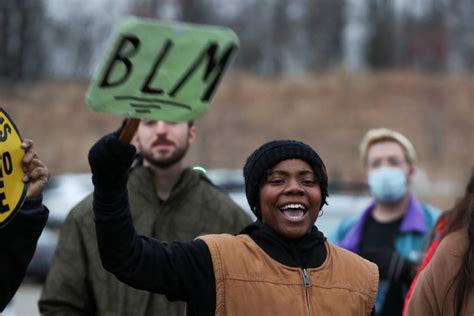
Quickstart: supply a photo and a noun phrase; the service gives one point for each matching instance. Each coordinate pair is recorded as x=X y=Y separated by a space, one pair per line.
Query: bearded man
x=169 y=201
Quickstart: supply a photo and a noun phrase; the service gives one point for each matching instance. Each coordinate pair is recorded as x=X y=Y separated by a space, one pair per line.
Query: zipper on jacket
x=306 y=284
x=306 y=279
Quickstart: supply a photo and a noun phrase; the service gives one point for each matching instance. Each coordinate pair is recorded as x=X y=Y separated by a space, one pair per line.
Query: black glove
x=110 y=161
x=392 y=266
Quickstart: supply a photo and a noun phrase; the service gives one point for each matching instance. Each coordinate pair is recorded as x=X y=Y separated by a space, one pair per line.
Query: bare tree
x=460 y=34
x=21 y=56
x=323 y=26
x=195 y=11
x=380 y=47
x=146 y=8
x=425 y=40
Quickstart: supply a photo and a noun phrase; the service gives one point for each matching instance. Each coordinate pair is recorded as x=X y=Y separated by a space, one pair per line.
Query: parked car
x=60 y=196
x=230 y=180
x=65 y=191
x=44 y=253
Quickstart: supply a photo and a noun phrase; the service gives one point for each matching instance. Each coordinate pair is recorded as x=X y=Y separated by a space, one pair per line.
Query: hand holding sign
x=161 y=71
x=36 y=172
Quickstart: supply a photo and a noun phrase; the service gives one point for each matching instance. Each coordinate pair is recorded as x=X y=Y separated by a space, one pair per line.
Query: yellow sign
x=12 y=187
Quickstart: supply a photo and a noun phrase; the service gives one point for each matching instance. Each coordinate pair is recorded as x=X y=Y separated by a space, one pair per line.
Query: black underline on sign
x=138 y=105
x=133 y=98
x=144 y=108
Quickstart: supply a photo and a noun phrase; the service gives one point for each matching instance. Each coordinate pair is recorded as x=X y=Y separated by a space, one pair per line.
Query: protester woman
x=279 y=265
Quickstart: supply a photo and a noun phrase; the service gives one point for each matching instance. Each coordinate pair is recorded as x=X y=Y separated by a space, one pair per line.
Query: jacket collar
x=413 y=221
x=305 y=252
x=141 y=182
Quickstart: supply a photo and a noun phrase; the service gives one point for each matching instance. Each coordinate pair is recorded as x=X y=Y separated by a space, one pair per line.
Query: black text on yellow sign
x=12 y=187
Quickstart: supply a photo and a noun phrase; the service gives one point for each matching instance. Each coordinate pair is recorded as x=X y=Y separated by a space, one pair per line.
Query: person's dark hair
x=461 y=216
x=465 y=277
x=458 y=217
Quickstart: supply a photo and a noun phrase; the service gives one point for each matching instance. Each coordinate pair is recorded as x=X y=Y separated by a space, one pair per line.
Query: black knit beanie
x=270 y=154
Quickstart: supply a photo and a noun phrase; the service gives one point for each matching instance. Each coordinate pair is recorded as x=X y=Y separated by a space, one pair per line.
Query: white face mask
x=388 y=185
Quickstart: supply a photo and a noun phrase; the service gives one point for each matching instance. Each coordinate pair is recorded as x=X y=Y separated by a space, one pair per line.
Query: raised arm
x=19 y=237
x=171 y=268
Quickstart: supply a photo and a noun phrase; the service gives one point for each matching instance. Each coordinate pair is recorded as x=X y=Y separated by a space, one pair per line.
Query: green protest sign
x=161 y=70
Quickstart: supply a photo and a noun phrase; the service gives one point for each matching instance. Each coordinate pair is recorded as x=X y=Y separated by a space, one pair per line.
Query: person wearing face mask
x=393 y=231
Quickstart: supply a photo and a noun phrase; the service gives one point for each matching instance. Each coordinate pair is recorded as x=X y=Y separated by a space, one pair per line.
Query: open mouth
x=294 y=211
